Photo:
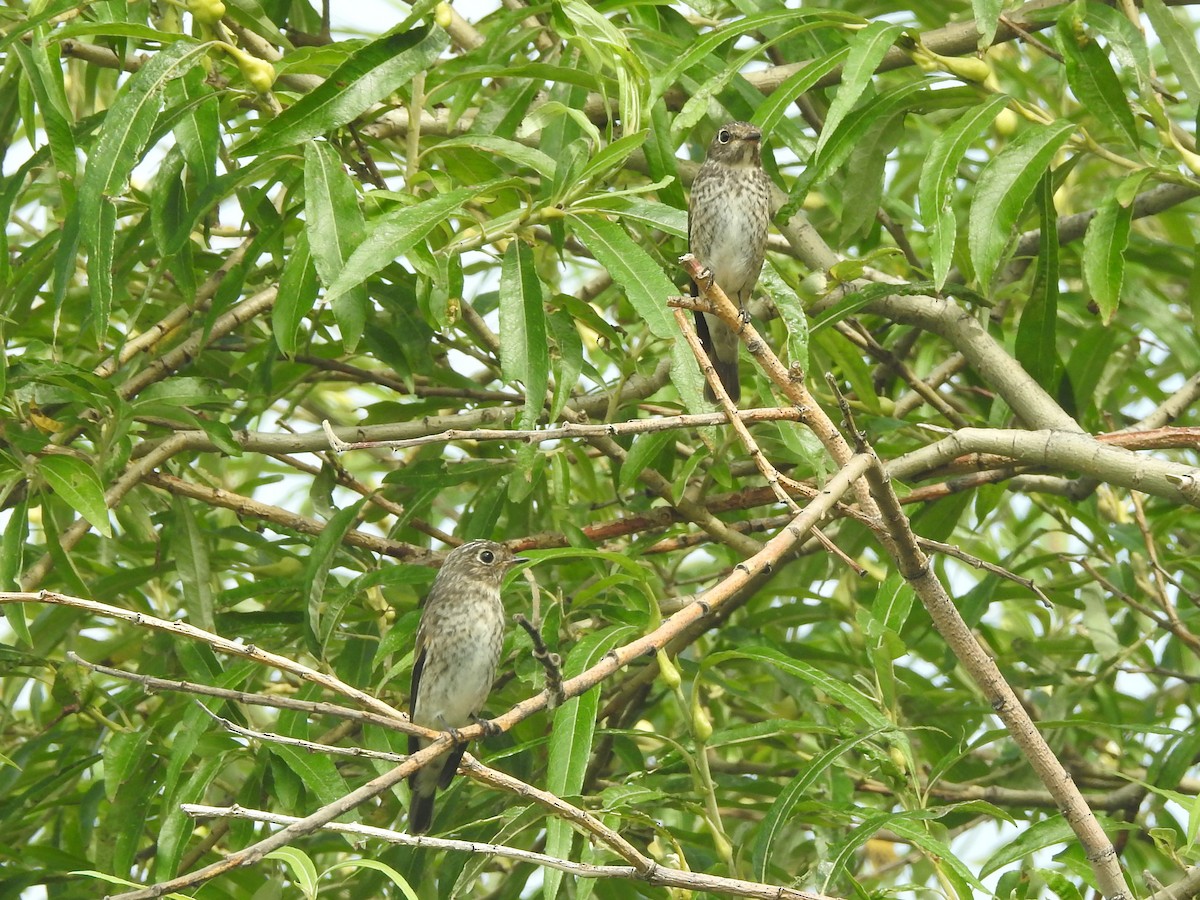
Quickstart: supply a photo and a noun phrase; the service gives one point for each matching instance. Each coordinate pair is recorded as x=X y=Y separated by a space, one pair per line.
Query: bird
x=728 y=214
x=454 y=663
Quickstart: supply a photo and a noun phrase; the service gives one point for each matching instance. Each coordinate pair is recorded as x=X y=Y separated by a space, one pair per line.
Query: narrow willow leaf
x=318 y=627
x=851 y=366
x=126 y=130
x=78 y=484
x=1004 y=187
x=643 y=452
x=524 y=348
x=867 y=50
x=393 y=234
x=1036 y=342
x=1179 y=44
x=613 y=155
x=100 y=267
x=571 y=742
x=776 y=105
x=987 y=17
x=568 y=361
x=199 y=130
x=12 y=563
x=1104 y=246
x=938 y=175
x=297 y=294
x=632 y=268
x=334 y=222
x=910 y=96
x=791 y=310
x=528 y=157
x=1090 y=358
x=839 y=691
x=1038 y=836
x=706 y=42
x=1092 y=78
x=368 y=77
x=775 y=821
x=190 y=552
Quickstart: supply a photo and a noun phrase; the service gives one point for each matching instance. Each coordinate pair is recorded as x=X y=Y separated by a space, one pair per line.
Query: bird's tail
x=420 y=811
x=424 y=784
x=727 y=370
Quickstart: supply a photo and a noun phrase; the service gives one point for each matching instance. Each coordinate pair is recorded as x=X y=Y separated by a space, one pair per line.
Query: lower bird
x=454 y=663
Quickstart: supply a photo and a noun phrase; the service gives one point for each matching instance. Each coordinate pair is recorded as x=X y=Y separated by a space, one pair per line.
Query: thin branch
x=218 y=643
x=564 y=432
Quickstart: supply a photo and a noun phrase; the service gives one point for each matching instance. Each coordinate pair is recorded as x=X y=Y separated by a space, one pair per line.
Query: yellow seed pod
x=968 y=68
x=702 y=726
x=259 y=73
x=206 y=12
x=667 y=670
x=1006 y=122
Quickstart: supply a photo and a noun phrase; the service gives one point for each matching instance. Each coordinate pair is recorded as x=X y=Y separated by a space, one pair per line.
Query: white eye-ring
x=724 y=136
x=487 y=556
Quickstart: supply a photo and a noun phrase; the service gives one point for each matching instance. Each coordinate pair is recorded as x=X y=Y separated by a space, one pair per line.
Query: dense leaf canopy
x=240 y=234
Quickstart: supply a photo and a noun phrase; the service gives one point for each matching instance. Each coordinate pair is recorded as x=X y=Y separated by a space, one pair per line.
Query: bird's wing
x=418 y=664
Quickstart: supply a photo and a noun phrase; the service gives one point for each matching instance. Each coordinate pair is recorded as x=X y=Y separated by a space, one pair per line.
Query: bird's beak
x=755 y=136
x=517 y=560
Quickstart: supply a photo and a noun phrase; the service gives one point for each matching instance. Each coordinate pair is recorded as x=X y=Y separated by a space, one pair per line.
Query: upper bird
x=728 y=215
x=454 y=663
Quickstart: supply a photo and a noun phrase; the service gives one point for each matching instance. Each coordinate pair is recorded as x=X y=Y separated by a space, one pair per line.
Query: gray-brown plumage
x=728 y=215
x=454 y=663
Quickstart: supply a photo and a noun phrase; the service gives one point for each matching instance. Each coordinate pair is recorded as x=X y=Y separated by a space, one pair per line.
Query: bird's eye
x=487 y=556
x=724 y=136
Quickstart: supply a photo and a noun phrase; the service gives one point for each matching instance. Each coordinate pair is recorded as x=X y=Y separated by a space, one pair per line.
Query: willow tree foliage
x=240 y=234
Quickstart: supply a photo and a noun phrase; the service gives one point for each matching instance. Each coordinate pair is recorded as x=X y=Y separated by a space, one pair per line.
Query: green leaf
x=190 y=551
x=100 y=268
x=1179 y=43
x=987 y=17
x=907 y=97
x=12 y=563
x=78 y=484
x=867 y=49
x=571 y=742
x=319 y=627
x=791 y=310
x=1038 y=836
x=375 y=865
x=304 y=873
x=297 y=293
x=705 y=43
x=524 y=349
x=775 y=106
x=631 y=267
x=368 y=77
x=1104 y=246
x=1036 y=343
x=1004 y=187
x=642 y=454
x=774 y=823
x=852 y=368
x=647 y=289
x=939 y=173
x=393 y=234
x=839 y=691
x=126 y=130
x=317 y=771
x=334 y=222
x=568 y=361
x=528 y=157
x=1091 y=76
